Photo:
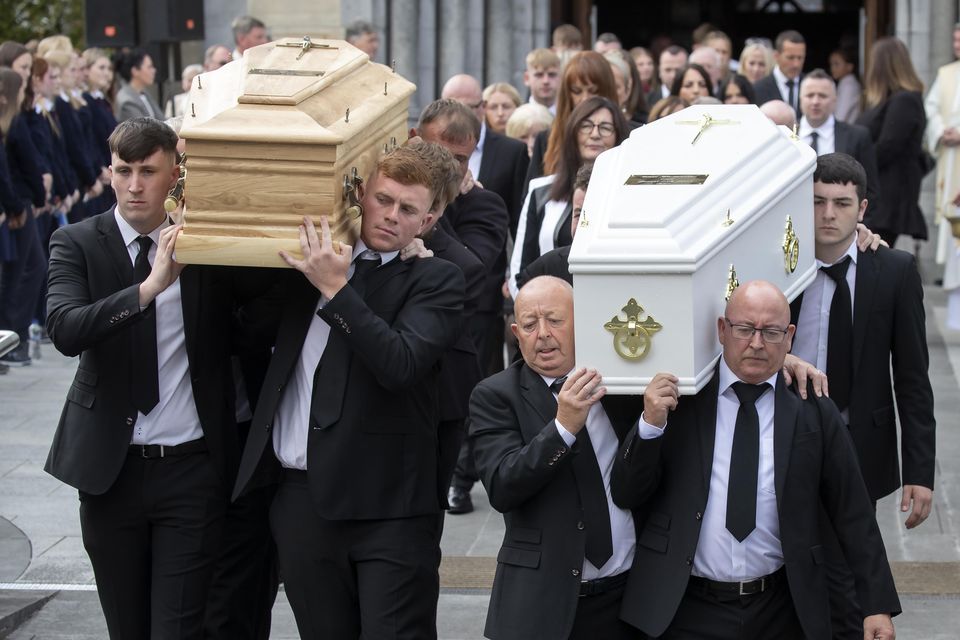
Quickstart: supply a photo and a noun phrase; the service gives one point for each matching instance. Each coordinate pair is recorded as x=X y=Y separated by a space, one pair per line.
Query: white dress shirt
x=476 y=158
x=785 y=90
x=719 y=555
x=174 y=420
x=813 y=323
x=552 y=108
x=826 y=132
x=605 y=445
x=291 y=425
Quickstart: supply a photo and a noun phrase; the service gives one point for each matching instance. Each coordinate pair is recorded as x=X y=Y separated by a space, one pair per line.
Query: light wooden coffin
x=276 y=136
x=671 y=225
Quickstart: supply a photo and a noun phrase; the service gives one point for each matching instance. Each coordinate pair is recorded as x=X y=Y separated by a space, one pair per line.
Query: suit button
x=267 y=426
x=575 y=572
x=580 y=526
x=699 y=516
x=689 y=561
x=129 y=420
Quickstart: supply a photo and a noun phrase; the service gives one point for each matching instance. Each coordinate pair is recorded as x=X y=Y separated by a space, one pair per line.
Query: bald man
x=732 y=480
x=499 y=163
x=544 y=436
x=780 y=112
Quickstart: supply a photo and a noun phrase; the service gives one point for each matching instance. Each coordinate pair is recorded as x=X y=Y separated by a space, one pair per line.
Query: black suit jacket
x=480 y=220
x=503 y=170
x=889 y=325
x=377 y=458
x=92 y=304
x=766 y=90
x=668 y=479
x=552 y=263
x=526 y=469
x=855 y=141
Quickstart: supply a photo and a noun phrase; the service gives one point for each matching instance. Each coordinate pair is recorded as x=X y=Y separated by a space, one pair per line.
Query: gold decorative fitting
x=384 y=88
x=285 y=72
x=631 y=337
x=193 y=110
x=954 y=225
x=795 y=135
x=175 y=195
x=351 y=193
x=583 y=218
x=732 y=283
x=346 y=117
x=791 y=248
x=393 y=143
x=705 y=122
x=306 y=45
x=727 y=221
x=199 y=84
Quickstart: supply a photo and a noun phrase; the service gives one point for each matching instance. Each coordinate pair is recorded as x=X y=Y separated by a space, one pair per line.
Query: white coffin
x=671 y=247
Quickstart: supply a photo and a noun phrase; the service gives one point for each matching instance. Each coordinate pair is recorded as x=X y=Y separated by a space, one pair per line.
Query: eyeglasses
x=746 y=331
x=586 y=127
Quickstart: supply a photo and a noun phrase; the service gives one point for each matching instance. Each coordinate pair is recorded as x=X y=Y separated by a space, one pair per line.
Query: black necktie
x=145 y=389
x=840 y=336
x=593 y=496
x=813 y=141
x=327 y=404
x=744 y=462
x=790 y=94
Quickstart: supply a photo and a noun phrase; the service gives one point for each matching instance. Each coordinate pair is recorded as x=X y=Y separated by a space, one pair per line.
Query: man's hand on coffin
x=867 y=239
x=415 y=250
x=801 y=371
x=324 y=263
x=581 y=390
x=165 y=269
x=660 y=398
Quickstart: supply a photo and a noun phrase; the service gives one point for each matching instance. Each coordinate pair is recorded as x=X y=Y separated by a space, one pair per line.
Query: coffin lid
x=306 y=85
x=742 y=162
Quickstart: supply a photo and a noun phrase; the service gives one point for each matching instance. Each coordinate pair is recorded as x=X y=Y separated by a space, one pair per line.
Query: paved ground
x=46 y=584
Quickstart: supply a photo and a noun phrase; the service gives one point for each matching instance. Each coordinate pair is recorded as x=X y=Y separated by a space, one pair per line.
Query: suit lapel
x=841 y=139
x=538 y=397
x=786 y=409
x=488 y=157
x=112 y=243
x=705 y=407
x=380 y=276
x=868 y=275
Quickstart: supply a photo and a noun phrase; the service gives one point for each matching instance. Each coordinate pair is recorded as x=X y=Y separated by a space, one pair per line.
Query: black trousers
x=765 y=616
x=356 y=578
x=152 y=539
x=598 y=616
x=245 y=576
x=22 y=280
x=451 y=435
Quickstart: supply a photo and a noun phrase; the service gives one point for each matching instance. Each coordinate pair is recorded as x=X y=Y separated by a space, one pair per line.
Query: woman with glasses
x=594 y=126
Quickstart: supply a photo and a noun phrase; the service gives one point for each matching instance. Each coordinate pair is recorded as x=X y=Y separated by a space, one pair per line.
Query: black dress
x=896 y=126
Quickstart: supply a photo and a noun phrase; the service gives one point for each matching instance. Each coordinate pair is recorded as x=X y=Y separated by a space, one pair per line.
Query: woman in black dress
x=895 y=117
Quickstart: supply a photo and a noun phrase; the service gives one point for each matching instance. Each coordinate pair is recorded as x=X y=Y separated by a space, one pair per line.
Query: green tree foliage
x=24 y=20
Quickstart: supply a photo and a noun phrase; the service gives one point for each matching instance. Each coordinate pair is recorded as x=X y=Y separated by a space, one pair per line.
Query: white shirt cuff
x=568 y=437
x=648 y=431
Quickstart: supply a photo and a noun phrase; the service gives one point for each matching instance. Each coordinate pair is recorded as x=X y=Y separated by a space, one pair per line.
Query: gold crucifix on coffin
x=705 y=122
x=305 y=45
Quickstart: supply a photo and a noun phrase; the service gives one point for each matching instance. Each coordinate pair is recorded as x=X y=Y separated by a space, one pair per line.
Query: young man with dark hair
x=347 y=419
x=784 y=82
x=861 y=319
x=147 y=434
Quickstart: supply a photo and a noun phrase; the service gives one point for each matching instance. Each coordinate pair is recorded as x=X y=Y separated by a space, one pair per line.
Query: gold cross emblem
x=631 y=337
x=306 y=45
x=705 y=122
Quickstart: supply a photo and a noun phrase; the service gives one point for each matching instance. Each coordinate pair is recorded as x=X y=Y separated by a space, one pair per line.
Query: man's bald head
x=544 y=325
x=780 y=112
x=465 y=89
x=760 y=305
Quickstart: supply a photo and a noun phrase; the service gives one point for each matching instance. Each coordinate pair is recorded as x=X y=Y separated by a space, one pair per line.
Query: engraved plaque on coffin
x=672 y=225
x=276 y=136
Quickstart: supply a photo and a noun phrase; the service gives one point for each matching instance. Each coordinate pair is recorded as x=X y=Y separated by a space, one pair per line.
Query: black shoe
x=19 y=357
x=459 y=501
x=4 y=369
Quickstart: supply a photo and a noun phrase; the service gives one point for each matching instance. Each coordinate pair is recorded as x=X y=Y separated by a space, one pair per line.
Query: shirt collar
x=727 y=378
x=130 y=234
x=825 y=130
x=96 y=93
x=549 y=381
x=385 y=256
x=851 y=251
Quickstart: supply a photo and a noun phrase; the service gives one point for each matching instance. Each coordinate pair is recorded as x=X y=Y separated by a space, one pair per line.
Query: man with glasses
x=731 y=482
x=863 y=312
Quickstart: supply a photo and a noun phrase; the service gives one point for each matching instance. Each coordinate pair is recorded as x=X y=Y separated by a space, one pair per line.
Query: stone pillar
x=913 y=27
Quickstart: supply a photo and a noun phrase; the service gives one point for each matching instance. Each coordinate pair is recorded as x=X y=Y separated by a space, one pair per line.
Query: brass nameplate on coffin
x=284 y=72
x=673 y=178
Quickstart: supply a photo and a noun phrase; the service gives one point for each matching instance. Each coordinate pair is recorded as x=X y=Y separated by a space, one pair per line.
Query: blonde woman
x=756 y=62
x=501 y=100
x=527 y=121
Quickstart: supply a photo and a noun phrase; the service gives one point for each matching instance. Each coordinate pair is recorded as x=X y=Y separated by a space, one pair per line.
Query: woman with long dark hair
x=594 y=126
x=895 y=117
x=690 y=83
